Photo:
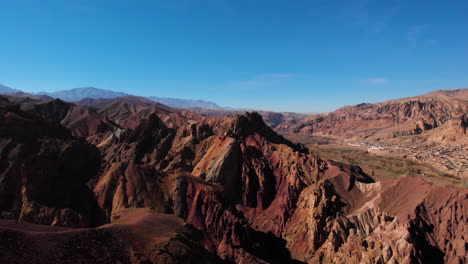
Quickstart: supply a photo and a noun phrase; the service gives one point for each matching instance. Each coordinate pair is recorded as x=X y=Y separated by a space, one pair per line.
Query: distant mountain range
x=176 y=102
x=77 y=94
x=5 y=89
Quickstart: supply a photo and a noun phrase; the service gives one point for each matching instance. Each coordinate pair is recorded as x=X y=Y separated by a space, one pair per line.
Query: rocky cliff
x=439 y=116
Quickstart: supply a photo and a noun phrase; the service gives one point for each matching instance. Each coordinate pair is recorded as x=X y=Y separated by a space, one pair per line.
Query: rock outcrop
x=43 y=171
x=438 y=116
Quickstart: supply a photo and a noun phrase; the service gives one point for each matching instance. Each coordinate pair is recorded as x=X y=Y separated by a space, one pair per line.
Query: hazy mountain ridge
x=5 y=89
x=77 y=94
x=91 y=96
x=176 y=102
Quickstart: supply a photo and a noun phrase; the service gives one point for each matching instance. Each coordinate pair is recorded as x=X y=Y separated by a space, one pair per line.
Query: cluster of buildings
x=451 y=159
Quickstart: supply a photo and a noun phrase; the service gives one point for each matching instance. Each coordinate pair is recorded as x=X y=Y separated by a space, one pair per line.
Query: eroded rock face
x=245 y=185
x=379 y=223
x=393 y=119
x=243 y=193
x=43 y=171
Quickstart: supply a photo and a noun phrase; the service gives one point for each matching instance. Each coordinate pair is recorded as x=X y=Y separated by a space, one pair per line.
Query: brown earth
x=138 y=236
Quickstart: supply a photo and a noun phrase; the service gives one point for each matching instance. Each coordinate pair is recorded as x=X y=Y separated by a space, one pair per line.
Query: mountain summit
x=77 y=94
x=5 y=89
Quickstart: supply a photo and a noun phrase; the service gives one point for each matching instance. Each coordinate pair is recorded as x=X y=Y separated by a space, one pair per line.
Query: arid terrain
x=429 y=129
x=129 y=180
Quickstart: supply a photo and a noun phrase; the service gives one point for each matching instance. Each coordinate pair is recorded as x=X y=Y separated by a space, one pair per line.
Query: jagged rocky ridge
x=442 y=111
x=218 y=189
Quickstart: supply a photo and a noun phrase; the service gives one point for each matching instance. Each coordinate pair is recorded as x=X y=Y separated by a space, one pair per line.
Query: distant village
x=453 y=159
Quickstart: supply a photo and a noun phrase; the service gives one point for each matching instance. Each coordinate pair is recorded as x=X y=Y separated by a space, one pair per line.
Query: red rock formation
x=392 y=119
x=43 y=171
x=247 y=195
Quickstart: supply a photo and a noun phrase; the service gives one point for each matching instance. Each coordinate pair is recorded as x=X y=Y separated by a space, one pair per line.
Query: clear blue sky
x=279 y=55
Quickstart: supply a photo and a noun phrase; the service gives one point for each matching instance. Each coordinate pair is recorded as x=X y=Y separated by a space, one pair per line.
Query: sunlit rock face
x=438 y=117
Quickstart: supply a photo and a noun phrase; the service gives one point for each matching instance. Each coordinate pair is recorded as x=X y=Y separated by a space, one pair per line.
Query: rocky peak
x=55 y=109
x=150 y=133
x=22 y=125
x=252 y=123
x=43 y=172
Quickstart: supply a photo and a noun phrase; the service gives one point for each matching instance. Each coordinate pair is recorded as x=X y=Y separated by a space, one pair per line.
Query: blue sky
x=276 y=55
